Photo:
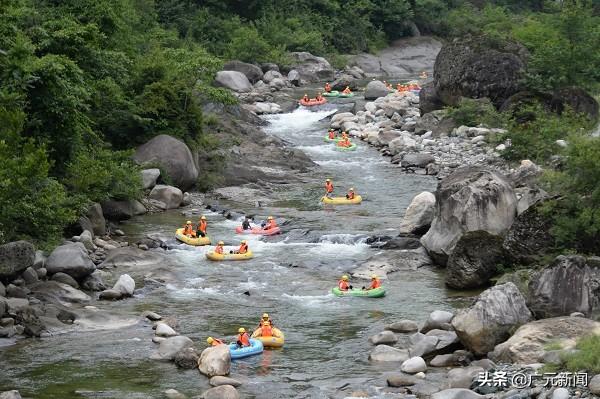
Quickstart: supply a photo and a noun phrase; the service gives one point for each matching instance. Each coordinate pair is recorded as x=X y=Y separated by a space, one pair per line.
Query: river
x=290 y=278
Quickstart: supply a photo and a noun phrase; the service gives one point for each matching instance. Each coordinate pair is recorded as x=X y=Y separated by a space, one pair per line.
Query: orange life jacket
x=305 y=98
x=266 y=331
x=343 y=285
x=331 y=134
x=344 y=143
x=243 y=248
x=216 y=342
x=375 y=284
x=188 y=230
x=329 y=187
x=219 y=249
x=202 y=226
x=350 y=194
x=271 y=224
x=344 y=135
x=261 y=322
x=244 y=338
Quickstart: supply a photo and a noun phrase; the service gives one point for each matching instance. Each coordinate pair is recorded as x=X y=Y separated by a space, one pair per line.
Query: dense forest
x=83 y=82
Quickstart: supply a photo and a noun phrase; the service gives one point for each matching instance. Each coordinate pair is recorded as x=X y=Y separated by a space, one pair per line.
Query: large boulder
x=169 y=348
x=15 y=257
x=174 y=157
x=311 y=68
x=252 y=72
x=438 y=320
x=221 y=392
x=416 y=160
x=233 y=80
x=122 y=210
x=567 y=285
x=495 y=314
x=476 y=69
x=419 y=214
x=271 y=75
x=385 y=353
x=125 y=285
x=72 y=259
x=215 y=360
x=149 y=177
x=413 y=365
x=428 y=99
x=168 y=195
x=375 y=89
x=578 y=100
x=470 y=199
x=344 y=81
x=96 y=217
x=10 y=395
x=58 y=293
x=294 y=77
x=475 y=260
x=529 y=236
x=532 y=340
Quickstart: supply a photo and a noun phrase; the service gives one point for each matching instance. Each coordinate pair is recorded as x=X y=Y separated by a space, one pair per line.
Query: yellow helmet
x=328 y=180
x=209 y=340
x=351 y=188
x=270 y=218
x=267 y=323
x=241 y=330
x=265 y=316
x=221 y=243
x=244 y=241
x=188 y=222
x=203 y=217
x=373 y=276
x=345 y=278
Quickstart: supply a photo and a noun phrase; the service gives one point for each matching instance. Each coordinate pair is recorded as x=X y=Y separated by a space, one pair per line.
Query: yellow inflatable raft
x=342 y=200
x=214 y=256
x=275 y=341
x=196 y=241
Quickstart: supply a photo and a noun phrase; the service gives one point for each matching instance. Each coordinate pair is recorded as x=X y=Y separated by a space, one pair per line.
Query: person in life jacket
x=344 y=142
x=188 y=230
x=328 y=188
x=243 y=339
x=201 y=231
x=344 y=135
x=246 y=224
x=423 y=75
x=271 y=223
x=347 y=90
x=243 y=247
x=319 y=97
x=375 y=283
x=214 y=341
x=266 y=330
x=331 y=134
x=350 y=194
x=264 y=319
x=305 y=98
x=343 y=284
x=219 y=248
x=327 y=88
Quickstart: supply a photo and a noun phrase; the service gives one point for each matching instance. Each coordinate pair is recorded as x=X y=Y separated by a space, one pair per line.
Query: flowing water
x=290 y=277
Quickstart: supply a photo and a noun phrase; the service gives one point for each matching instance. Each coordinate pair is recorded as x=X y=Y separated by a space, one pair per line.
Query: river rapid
x=326 y=350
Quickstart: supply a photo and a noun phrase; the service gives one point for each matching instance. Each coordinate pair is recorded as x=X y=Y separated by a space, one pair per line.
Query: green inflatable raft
x=351 y=148
x=344 y=95
x=328 y=140
x=375 y=293
x=333 y=93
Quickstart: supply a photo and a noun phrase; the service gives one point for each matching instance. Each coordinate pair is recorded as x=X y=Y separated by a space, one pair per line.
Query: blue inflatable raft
x=255 y=348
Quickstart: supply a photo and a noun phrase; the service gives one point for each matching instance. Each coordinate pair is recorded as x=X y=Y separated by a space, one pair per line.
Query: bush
x=473 y=112
x=587 y=357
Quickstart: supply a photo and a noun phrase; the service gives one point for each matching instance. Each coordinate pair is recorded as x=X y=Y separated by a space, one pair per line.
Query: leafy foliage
x=471 y=112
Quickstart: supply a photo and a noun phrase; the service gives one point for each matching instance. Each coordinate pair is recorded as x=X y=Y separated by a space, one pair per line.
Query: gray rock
x=130 y=257
x=87 y=240
x=40 y=260
x=94 y=282
x=3 y=306
x=15 y=257
x=495 y=314
x=419 y=214
x=122 y=210
x=485 y=364
x=456 y=393
x=561 y=393
x=447 y=340
x=529 y=237
x=10 y=395
x=12 y=291
x=2 y=289
x=422 y=344
x=15 y=305
x=110 y=295
x=233 y=80
x=56 y=292
x=446 y=360
x=220 y=380
x=170 y=347
x=403 y=326
x=413 y=365
x=594 y=385
x=528 y=344
x=174 y=394
x=149 y=177
x=174 y=157
x=163 y=330
x=463 y=377
x=42 y=273
x=169 y=195
x=310 y=67
x=215 y=360
x=221 y=392
x=65 y=279
x=270 y=75
x=470 y=199
x=252 y=72
x=186 y=359
x=384 y=337
x=72 y=259
x=401 y=380
x=158 y=340
x=418 y=160
x=29 y=275
x=385 y=353
x=567 y=285
x=475 y=260
x=125 y=285
x=437 y=320
x=151 y=315
x=375 y=89
x=402 y=243
x=96 y=218
x=294 y=77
